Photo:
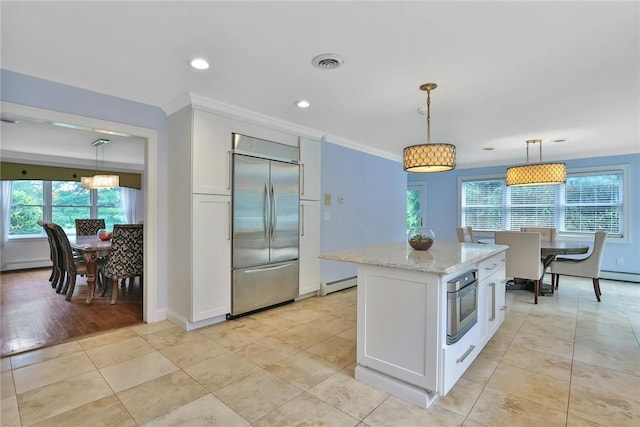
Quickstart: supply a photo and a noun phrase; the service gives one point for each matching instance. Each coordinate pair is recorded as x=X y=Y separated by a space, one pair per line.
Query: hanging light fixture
x=536 y=173
x=99 y=181
x=429 y=157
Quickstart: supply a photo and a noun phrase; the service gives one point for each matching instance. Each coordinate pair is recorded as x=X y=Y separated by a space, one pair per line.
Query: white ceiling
x=506 y=71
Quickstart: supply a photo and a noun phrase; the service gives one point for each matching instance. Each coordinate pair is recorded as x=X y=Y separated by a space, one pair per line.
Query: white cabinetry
x=211 y=266
x=491 y=296
x=401 y=346
x=211 y=154
x=309 y=169
x=199 y=219
x=309 y=216
x=199 y=246
x=309 y=280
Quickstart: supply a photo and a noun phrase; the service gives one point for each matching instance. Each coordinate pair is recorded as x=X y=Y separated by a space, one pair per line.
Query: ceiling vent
x=328 y=61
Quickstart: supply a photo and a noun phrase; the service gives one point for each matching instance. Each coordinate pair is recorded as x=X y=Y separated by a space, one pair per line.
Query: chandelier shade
x=536 y=173
x=99 y=181
x=429 y=157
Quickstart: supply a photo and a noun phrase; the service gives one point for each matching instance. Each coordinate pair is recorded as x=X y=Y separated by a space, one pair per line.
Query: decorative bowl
x=104 y=234
x=421 y=239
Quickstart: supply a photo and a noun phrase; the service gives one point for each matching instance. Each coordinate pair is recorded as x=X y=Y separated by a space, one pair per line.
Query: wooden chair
x=465 y=234
x=546 y=233
x=523 y=257
x=126 y=256
x=588 y=267
x=71 y=265
x=89 y=226
x=57 y=274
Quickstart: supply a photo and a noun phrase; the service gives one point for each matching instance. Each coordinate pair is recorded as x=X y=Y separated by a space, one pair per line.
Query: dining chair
x=546 y=233
x=126 y=256
x=57 y=274
x=72 y=266
x=523 y=257
x=588 y=267
x=89 y=226
x=465 y=234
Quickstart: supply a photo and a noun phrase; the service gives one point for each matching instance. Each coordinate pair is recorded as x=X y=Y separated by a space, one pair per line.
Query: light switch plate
x=327 y=198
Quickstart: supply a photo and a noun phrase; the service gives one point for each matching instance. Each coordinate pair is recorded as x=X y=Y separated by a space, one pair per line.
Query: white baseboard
x=338 y=285
x=26 y=265
x=187 y=325
x=616 y=275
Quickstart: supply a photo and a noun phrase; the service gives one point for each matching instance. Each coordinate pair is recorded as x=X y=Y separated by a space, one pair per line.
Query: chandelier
x=429 y=157
x=99 y=181
x=536 y=173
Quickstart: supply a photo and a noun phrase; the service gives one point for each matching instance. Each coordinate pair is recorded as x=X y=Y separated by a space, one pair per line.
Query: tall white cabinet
x=309 y=281
x=199 y=205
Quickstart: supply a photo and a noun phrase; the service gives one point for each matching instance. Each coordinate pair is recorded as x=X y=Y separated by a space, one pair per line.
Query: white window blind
x=482 y=204
x=532 y=206
x=593 y=202
x=587 y=202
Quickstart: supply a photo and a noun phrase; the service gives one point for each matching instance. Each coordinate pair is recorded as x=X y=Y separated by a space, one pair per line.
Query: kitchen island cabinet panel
x=403 y=311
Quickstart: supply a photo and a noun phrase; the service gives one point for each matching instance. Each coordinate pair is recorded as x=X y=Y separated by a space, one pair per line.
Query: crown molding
x=348 y=143
x=239 y=113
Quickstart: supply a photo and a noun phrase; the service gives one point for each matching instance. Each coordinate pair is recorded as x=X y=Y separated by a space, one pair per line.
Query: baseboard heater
x=624 y=277
x=338 y=285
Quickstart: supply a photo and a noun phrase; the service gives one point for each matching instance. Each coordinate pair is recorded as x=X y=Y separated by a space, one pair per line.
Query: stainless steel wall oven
x=462 y=305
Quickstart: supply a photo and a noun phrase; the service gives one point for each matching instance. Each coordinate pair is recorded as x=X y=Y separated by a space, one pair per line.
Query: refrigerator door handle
x=260 y=270
x=267 y=212
x=274 y=207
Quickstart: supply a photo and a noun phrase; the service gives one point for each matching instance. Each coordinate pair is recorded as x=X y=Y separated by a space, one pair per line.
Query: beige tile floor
x=569 y=361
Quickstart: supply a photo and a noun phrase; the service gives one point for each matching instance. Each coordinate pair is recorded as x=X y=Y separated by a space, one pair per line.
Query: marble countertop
x=441 y=258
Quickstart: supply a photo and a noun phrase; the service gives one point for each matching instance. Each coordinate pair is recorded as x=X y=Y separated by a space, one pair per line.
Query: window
x=60 y=202
x=415 y=206
x=587 y=202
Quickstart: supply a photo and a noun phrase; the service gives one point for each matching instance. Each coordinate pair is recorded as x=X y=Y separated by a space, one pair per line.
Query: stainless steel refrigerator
x=265 y=200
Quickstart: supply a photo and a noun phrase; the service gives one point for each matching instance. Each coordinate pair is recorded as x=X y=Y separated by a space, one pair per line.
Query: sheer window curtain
x=129 y=204
x=6 y=208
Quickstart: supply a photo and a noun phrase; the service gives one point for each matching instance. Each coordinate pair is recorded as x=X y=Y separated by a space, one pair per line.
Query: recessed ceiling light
x=199 y=64
x=488 y=148
x=303 y=104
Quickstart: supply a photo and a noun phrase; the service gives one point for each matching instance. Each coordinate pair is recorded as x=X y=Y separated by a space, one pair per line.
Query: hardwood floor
x=33 y=315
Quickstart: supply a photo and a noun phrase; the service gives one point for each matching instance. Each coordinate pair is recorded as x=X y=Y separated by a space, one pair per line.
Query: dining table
x=92 y=250
x=550 y=249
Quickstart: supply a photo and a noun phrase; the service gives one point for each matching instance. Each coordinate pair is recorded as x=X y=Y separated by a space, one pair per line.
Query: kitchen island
x=403 y=312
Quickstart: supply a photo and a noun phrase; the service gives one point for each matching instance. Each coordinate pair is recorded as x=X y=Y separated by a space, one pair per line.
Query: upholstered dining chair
x=546 y=233
x=71 y=265
x=523 y=257
x=57 y=274
x=465 y=234
x=588 y=267
x=126 y=256
x=89 y=226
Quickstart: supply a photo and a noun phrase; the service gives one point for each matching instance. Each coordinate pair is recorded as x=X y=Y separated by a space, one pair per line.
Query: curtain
x=6 y=210
x=129 y=204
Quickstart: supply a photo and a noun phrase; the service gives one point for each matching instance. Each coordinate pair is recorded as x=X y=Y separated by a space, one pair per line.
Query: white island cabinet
x=402 y=314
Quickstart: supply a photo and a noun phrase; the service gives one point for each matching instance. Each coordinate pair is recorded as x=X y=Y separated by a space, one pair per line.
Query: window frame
x=47 y=208
x=579 y=236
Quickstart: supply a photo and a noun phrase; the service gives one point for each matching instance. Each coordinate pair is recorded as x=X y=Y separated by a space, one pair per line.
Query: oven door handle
x=464 y=291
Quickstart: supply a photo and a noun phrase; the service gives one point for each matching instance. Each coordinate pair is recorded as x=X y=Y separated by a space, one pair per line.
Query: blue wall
x=374 y=208
x=443 y=204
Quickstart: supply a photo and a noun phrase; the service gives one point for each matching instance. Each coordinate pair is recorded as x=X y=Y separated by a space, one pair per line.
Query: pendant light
x=429 y=157
x=536 y=173
x=99 y=181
